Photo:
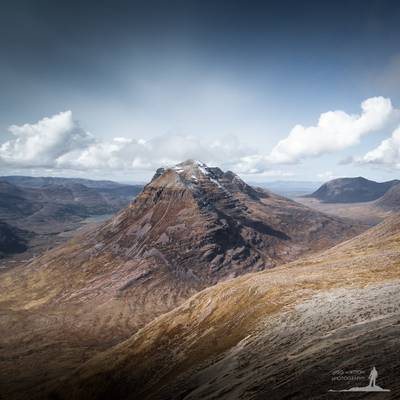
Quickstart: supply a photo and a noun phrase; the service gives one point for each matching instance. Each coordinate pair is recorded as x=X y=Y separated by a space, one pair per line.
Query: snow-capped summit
x=196 y=175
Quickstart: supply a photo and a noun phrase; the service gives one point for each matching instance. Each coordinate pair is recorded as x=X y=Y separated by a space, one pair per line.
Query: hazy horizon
x=140 y=182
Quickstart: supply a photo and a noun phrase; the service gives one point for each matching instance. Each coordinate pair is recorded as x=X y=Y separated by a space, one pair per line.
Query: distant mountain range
x=47 y=206
x=40 y=181
x=352 y=190
x=92 y=193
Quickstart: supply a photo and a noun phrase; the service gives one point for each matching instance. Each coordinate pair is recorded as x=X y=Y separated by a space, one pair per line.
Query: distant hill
x=116 y=194
x=352 y=190
x=391 y=199
x=64 y=199
x=40 y=181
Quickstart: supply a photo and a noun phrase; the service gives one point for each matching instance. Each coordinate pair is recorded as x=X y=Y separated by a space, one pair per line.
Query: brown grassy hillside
x=276 y=334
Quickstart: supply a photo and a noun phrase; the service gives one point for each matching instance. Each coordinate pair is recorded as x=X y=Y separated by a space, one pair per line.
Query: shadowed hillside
x=12 y=240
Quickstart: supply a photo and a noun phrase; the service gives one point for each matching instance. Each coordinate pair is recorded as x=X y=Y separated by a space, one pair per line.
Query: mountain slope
x=277 y=334
x=352 y=190
x=390 y=200
x=15 y=202
x=191 y=227
x=12 y=240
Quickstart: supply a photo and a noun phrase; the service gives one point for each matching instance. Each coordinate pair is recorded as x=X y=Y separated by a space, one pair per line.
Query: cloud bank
x=59 y=142
x=335 y=131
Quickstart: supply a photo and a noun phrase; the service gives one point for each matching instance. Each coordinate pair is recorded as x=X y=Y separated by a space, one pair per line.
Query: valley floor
x=366 y=212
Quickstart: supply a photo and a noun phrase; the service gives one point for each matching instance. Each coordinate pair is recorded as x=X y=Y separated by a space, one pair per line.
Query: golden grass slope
x=274 y=334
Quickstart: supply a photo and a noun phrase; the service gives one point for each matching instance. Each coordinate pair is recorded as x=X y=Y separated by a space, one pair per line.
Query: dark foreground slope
x=352 y=190
x=191 y=227
x=280 y=334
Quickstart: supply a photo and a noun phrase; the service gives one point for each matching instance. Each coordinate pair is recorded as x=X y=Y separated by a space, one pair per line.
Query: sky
x=284 y=90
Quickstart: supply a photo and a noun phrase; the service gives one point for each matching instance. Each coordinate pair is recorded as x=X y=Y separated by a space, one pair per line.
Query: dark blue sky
x=248 y=69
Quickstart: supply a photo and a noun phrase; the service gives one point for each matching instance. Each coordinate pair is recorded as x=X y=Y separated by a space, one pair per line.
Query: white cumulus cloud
x=336 y=130
x=387 y=154
x=43 y=143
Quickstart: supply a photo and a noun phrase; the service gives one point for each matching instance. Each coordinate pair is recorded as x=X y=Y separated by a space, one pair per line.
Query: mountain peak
x=193 y=167
x=191 y=212
x=192 y=162
x=198 y=178
x=188 y=173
